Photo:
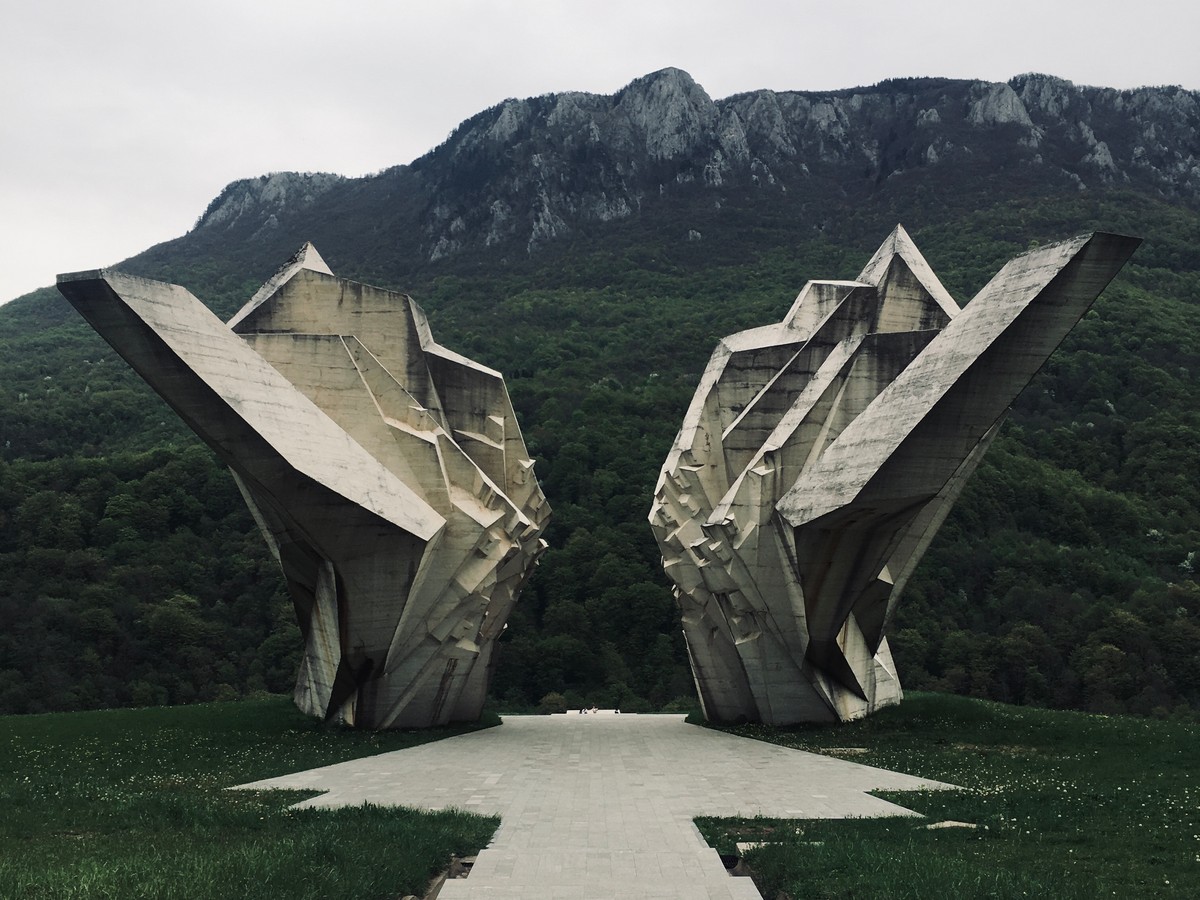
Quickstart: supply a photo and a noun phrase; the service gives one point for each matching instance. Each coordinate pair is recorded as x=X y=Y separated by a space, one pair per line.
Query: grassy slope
x=1065 y=804
x=132 y=803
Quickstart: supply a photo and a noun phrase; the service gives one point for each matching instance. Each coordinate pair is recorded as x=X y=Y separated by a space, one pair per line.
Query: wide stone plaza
x=600 y=807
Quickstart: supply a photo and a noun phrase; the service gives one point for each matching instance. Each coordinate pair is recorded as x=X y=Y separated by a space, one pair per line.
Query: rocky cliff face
x=259 y=202
x=529 y=171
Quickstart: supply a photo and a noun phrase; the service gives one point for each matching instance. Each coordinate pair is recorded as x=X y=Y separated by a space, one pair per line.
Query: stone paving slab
x=602 y=806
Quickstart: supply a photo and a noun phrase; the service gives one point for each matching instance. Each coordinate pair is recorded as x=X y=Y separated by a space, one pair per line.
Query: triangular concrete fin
x=306 y=257
x=899 y=243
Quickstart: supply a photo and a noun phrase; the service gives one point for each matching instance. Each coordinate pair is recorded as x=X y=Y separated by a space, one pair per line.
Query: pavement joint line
x=601 y=806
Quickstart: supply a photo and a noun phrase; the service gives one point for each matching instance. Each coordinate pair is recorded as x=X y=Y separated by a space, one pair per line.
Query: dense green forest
x=1066 y=576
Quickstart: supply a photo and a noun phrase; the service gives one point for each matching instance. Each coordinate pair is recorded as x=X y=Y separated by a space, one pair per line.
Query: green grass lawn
x=132 y=803
x=1065 y=805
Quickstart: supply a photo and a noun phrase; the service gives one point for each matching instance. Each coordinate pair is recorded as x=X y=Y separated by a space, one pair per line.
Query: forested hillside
x=1066 y=576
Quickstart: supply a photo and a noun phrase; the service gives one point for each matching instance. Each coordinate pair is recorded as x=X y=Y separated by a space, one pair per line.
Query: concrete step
x=695 y=874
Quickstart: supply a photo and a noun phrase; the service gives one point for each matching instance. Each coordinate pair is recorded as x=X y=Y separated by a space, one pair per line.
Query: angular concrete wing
x=819 y=456
x=387 y=474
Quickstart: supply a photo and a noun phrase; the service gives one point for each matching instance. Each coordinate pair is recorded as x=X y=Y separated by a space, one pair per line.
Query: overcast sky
x=120 y=120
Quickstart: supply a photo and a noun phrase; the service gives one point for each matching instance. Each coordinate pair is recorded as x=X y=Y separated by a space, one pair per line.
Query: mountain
x=594 y=248
x=525 y=174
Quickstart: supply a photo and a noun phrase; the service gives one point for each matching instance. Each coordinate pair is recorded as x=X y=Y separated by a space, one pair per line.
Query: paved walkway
x=600 y=807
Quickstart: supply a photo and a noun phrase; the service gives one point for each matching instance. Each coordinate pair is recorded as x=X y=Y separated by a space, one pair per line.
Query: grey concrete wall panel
x=820 y=455
x=387 y=474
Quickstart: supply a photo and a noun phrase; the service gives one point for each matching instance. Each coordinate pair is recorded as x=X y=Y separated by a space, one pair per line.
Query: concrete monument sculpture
x=387 y=474
x=820 y=455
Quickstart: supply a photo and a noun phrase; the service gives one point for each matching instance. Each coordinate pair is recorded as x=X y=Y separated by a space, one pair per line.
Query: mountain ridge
x=544 y=173
x=528 y=171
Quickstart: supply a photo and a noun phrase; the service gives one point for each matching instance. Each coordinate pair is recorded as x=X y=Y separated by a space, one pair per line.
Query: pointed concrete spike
x=961 y=383
x=899 y=243
x=306 y=257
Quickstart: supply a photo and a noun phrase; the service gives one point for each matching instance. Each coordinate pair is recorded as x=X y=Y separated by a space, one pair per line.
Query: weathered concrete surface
x=820 y=455
x=599 y=807
x=387 y=473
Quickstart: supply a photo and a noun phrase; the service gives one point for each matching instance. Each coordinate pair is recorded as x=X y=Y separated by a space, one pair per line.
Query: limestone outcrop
x=387 y=474
x=661 y=153
x=820 y=455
